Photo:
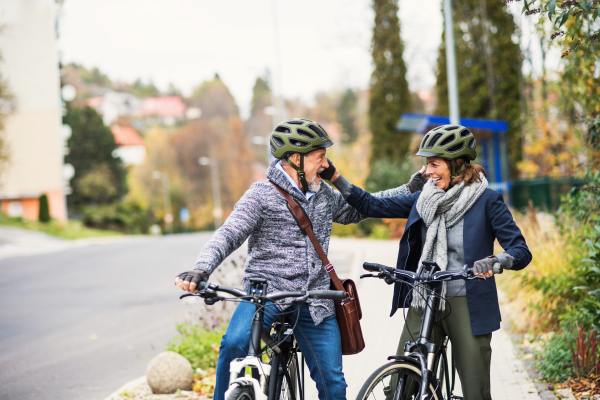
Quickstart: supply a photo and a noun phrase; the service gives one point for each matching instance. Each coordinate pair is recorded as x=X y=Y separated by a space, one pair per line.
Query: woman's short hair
x=469 y=175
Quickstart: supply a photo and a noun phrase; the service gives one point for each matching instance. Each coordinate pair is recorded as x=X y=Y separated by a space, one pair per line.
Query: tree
x=44 y=209
x=488 y=68
x=99 y=176
x=573 y=15
x=259 y=123
x=141 y=89
x=346 y=115
x=389 y=93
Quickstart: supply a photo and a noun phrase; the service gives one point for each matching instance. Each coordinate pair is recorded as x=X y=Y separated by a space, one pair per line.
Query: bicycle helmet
x=449 y=142
x=301 y=136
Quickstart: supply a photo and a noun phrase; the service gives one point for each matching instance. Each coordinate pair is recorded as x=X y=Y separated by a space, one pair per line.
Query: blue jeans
x=320 y=344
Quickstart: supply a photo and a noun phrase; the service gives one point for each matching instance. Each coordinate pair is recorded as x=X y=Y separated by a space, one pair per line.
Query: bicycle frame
x=282 y=348
x=423 y=353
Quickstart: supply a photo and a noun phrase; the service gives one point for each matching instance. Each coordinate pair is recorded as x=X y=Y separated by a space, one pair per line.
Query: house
x=33 y=132
x=114 y=105
x=169 y=108
x=131 y=145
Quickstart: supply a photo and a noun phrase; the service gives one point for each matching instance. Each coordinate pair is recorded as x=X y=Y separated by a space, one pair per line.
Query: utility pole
x=451 y=64
x=166 y=199
x=216 y=188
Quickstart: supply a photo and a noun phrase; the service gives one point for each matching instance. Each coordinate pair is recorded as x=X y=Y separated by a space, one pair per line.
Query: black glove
x=416 y=182
x=328 y=172
x=486 y=265
x=195 y=276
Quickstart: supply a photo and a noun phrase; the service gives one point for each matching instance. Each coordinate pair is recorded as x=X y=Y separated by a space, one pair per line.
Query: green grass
x=63 y=229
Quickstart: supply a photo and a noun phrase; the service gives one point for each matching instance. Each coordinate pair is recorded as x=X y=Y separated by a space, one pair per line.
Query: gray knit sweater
x=277 y=249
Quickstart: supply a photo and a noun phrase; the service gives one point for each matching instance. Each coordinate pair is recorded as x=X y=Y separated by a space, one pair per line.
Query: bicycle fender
x=247 y=381
x=409 y=360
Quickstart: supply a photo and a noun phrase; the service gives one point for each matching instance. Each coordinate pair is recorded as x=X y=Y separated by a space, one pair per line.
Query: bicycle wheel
x=241 y=393
x=391 y=377
x=287 y=385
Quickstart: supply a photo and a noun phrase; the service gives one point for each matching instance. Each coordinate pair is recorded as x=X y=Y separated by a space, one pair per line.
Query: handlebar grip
x=327 y=294
x=373 y=267
x=497 y=269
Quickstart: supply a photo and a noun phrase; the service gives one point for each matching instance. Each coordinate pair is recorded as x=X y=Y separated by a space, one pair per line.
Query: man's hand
x=485 y=267
x=417 y=181
x=190 y=280
x=328 y=172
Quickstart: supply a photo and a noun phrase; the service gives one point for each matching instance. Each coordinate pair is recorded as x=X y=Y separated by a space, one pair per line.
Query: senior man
x=279 y=252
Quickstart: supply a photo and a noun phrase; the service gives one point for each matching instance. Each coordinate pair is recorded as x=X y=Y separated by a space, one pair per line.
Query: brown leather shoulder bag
x=347 y=311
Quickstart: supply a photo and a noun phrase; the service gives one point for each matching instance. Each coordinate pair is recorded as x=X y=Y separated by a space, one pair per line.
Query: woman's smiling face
x=439 y=171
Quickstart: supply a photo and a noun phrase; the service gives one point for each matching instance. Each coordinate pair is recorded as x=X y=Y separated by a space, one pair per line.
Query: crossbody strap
x=306 y=227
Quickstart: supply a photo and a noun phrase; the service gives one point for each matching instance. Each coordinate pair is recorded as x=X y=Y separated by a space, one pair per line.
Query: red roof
x=126 y=136
x=163 y=107
x=94 y=102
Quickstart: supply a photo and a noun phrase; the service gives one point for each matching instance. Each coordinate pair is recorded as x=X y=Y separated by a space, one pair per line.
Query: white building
x=30 y=67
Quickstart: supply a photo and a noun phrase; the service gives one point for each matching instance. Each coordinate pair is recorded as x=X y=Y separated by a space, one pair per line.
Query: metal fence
x=544 y=193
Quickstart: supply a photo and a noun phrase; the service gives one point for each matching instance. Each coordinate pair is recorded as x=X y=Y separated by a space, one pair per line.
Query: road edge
x=131 y=385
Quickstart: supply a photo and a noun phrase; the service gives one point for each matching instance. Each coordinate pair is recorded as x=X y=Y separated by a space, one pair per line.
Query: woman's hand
x=328 y=172
x=485 y=267
x=417 y=181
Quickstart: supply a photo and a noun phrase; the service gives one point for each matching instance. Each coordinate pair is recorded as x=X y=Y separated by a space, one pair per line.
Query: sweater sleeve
x=246 y=216
x=508 y=233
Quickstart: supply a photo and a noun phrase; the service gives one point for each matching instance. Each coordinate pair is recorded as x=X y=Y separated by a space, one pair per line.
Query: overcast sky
x=324 y=44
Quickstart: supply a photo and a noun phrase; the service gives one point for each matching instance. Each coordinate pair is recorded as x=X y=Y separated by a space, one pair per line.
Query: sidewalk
x=509 y=376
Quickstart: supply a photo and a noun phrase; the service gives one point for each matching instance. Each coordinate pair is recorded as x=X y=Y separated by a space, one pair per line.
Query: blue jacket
x=487 y=220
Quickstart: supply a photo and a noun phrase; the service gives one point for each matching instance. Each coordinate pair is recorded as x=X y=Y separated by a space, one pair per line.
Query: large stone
x=168 y=372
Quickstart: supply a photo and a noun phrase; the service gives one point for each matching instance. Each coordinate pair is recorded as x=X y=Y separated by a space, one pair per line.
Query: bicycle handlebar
x=309 y=294
x=440 y=276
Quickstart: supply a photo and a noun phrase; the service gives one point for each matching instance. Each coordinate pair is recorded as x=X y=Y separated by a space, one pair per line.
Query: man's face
x=314 y=162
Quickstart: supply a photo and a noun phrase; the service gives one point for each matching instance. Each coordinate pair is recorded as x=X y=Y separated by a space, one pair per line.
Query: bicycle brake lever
x=368 y=276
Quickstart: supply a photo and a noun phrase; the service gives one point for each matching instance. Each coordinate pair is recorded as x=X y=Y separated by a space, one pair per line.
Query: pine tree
x=91 y=148
x=478 y=75
x=44 y=209
x=346 y=115
x=389 y=93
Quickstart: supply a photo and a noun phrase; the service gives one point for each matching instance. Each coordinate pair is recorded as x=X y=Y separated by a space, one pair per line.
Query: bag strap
x=306 y=227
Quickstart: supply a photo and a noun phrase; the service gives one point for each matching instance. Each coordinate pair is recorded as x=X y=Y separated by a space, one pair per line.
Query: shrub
x=553 y=361
x=44 y=212
x=125 y=217
x=198 y=345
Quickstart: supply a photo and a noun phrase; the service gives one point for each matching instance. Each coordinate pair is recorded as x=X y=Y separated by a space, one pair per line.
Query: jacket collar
x=276 y=176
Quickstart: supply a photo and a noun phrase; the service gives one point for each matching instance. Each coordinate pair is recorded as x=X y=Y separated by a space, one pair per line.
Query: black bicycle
x=423 y=369
x=281 y=376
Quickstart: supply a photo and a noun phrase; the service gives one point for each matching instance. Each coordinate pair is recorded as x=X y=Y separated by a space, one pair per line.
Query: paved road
x=79 y=323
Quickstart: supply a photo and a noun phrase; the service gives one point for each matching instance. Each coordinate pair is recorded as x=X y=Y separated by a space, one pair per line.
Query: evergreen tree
x=389 y=93
x=99 y=176
x=259 y=123
x=346 y=115
x=488 y=75
x=44 y=209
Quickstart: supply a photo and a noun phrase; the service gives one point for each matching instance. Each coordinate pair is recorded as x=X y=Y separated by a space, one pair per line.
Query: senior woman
x=454 y=221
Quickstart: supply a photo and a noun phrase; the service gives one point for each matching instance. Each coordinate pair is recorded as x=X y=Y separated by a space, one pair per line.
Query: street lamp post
x=166 y=199
x=216 y=188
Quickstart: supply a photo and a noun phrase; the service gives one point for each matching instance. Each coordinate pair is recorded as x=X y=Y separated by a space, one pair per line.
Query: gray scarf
x=441 y=210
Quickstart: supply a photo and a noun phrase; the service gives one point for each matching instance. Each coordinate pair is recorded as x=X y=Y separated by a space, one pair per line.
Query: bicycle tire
x=242 y=393
x=382 y=383
x=287 y=385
